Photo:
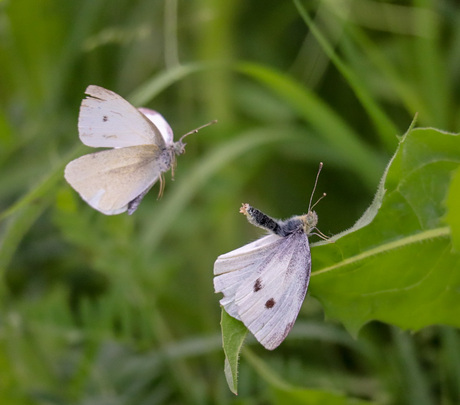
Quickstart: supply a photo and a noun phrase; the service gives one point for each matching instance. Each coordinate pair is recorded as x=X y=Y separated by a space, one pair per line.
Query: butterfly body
x=280 y=228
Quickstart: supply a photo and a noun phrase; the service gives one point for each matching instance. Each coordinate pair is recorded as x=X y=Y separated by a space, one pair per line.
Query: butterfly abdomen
x=280 y=228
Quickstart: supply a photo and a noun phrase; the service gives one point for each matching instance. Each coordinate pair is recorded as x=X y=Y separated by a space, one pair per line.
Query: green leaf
x=233 y=335
x=453 y=216
x=396 y=264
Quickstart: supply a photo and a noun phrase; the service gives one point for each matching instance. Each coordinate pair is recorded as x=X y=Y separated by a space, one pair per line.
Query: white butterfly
x=265 y=282
x=116 y=180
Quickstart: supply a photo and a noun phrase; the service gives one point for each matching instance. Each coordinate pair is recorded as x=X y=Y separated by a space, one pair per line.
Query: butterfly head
x=309 y=221
x=179 y=147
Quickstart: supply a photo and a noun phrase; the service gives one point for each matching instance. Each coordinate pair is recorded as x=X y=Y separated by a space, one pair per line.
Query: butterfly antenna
x=197 y=129
x=314 y=188
x=319 y=199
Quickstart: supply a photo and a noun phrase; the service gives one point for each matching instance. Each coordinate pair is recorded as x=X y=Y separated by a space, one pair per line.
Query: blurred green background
x=121 y=310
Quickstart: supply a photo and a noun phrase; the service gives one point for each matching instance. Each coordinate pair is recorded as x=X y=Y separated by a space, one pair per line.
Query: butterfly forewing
x=267 y=285
x=281 y=282
x=109 y=180
x=107 y=120
x=233 y=268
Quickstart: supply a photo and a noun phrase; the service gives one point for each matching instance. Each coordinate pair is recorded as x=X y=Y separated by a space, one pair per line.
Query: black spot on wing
x=270 y=303
x=105 y=118
x=258 y=285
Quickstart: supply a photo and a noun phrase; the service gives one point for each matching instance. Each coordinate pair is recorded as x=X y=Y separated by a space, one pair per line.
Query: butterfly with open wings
x=116 y=180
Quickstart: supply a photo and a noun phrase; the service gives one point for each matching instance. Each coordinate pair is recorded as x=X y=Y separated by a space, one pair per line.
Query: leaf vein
x=417 y=238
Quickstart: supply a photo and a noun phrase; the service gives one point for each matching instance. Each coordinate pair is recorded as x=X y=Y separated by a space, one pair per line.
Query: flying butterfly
x=264 y=283
x=116 y=180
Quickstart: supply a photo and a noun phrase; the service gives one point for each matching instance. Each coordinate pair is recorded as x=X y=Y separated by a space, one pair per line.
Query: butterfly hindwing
x=160 y=123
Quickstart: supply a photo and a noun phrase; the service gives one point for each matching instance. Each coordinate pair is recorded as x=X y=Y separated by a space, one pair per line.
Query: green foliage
x=121 y=309
x=396 y=264
x=284 y=392
x=233 y=335
x=452 y=216
x=400 y=268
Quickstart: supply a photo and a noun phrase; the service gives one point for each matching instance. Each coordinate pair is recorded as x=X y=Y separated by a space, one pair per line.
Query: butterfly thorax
x=166 y=159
